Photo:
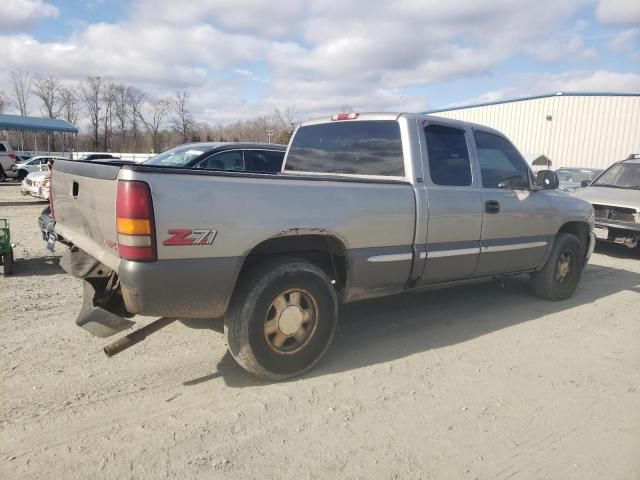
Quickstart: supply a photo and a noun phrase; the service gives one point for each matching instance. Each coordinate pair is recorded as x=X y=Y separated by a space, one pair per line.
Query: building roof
x=17 y=122
x=536 y=97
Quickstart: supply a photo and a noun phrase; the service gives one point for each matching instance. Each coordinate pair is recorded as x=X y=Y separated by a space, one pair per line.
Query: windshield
x=576 y=175
x=177 y=157
x=622 y=175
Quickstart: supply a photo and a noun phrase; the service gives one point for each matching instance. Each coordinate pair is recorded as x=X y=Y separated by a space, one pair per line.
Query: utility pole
x=270 y=130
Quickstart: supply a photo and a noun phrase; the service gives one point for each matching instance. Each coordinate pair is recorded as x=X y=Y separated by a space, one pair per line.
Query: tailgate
x=84 y=206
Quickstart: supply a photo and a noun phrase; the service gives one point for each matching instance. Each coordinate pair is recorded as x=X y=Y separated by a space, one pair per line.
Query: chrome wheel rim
x=565 y=266
x=291 y=321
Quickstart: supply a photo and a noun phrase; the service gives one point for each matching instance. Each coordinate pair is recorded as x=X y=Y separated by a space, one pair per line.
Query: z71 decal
x=184 y=236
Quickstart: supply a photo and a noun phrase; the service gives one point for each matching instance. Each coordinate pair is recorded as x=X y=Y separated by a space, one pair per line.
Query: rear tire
x=559 y=277
x=7 y=262
x=3 y=176
x=22 y=174
x=282 y=318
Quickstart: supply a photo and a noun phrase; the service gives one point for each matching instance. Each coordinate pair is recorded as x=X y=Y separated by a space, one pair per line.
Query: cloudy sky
x=241 y=58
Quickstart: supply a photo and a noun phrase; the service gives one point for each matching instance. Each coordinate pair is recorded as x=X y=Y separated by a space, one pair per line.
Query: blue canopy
x=16 y=122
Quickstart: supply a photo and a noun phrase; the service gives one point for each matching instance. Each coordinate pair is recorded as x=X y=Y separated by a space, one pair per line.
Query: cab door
x=454 y=204
x=516 y=226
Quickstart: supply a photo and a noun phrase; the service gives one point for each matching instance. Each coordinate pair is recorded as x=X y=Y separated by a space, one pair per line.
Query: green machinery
x=6 y=250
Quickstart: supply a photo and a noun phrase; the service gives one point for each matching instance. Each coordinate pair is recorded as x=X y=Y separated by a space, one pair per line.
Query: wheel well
x=579 y=230
x=325 y=251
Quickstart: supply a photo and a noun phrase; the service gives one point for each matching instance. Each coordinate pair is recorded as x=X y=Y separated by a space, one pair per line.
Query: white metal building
x=571 y=129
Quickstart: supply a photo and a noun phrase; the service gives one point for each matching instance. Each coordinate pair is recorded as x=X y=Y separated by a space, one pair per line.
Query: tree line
x=124 y=118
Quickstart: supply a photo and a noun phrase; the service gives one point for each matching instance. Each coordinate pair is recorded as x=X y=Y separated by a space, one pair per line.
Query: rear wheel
x=7 y=262
x=22 y=174
x=3 y=176
x=282 y=318
x=559 y=277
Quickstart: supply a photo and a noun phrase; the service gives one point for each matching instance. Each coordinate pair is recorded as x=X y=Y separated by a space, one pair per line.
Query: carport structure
x=27 y=125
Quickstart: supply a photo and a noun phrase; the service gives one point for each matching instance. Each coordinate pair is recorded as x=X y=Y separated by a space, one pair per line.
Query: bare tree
x=3 y=101
x=121 y=110
x=157 y=111
x=21 y=86
x=135 y=99
x=108 y=101
x=70 y=105
x=70 y=109
x=91 y=91
x=182 y=122
x=286 y=122
x=47 y=89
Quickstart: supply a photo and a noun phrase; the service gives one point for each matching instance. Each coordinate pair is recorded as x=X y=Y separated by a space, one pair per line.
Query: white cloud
x=619 y=12
x=19 y=14
x=318 y=54
x=487 y=97
x=625 y=40
x=564 y=48
x=580 y=81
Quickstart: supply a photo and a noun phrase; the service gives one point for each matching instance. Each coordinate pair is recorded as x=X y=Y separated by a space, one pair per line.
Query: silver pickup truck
x=366 y=205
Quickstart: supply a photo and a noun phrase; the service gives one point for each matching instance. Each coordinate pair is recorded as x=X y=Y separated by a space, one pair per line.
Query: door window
x=449 y=162
x=501 y=165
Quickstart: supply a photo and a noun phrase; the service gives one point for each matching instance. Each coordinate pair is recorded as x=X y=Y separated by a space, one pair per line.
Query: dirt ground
x=482 y=382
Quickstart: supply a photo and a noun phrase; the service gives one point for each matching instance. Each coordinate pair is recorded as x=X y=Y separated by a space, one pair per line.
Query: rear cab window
x=449 y=161
x=365 y=147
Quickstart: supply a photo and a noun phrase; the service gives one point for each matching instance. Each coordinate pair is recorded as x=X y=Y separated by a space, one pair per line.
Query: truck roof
x=395 y=116
x=213 y=145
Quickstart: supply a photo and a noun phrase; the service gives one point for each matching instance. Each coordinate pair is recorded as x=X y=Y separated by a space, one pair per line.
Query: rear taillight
x=134 y=221
x=345 y=116
x=12 y=156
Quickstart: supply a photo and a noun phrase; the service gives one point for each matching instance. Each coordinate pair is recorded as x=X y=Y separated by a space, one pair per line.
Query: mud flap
x=97 y=320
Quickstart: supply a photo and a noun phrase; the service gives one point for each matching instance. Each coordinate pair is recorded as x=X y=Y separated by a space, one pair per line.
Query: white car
x=7 y=161
x=35 y=164
x=36 y=184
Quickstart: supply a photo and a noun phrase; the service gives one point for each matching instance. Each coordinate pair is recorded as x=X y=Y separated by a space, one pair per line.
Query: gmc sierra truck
x=366 y=205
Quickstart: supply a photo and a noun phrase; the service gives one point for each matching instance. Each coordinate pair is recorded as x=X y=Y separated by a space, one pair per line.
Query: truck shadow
x=48 y=265
x=22 y=203
x=617 y=251
x=387 y=329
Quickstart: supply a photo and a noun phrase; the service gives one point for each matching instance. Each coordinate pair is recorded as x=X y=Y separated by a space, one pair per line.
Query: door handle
x=492 y=206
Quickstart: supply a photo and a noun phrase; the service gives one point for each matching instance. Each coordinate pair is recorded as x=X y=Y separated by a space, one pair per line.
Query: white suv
x=7 y=161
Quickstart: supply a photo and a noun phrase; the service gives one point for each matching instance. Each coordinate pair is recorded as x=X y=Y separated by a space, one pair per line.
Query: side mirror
x=585 y=183
x=547 y=180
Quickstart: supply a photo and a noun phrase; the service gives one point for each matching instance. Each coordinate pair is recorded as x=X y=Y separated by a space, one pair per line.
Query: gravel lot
x=480 y=382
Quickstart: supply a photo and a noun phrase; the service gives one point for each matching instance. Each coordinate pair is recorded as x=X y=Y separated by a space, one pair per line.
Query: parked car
x=234 y=157
x=36 y=184
x=615 y=196
x=98 y=156
x=574 y=178
x=367 y=205
x=7 y=161
x=35 y=164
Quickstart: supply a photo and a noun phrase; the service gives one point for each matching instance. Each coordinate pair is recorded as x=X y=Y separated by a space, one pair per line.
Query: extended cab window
x=367 y=147
x=501 y=166
x=449 y=162
x=2 y=147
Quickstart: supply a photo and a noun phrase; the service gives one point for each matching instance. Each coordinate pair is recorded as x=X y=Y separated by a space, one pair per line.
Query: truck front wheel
x=282 y=318
x=559 y=277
